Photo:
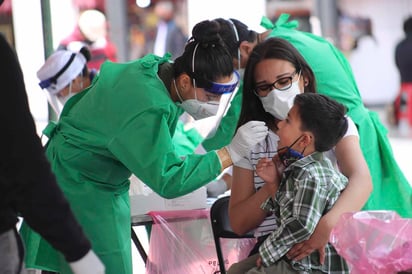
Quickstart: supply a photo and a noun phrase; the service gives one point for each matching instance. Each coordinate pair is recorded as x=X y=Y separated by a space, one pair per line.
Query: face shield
x=58 y=72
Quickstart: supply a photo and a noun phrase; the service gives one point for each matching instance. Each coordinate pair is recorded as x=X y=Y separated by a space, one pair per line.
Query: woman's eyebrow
x=282 y=75
x=285 y=74
x=261 y=82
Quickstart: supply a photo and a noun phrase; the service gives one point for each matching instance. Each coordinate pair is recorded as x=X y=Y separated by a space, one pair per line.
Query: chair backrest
x=219 y=216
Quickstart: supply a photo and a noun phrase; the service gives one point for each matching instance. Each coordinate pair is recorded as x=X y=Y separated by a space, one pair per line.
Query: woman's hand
x=259 y=262
x=317 y=241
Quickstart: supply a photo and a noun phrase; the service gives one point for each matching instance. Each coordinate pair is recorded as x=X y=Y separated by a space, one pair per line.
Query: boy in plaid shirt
x=304 y=185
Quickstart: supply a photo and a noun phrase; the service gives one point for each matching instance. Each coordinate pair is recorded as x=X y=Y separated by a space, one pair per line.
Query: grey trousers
x=11 y=250
x=248 y=266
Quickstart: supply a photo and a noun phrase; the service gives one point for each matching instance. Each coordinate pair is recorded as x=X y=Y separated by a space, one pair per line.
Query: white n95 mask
x=200 y=110
x=279 y=102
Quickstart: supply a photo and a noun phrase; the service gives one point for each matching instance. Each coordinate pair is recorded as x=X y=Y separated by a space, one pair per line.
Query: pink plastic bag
x=182 y=242
x=374 y=241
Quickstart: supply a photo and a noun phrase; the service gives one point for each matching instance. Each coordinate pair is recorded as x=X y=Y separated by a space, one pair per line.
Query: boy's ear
x=307 y=139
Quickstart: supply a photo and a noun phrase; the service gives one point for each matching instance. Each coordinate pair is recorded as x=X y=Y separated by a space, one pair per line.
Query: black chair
x=219 y=216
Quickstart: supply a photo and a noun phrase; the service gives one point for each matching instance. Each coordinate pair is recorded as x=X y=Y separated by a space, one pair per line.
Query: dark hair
x=227 y=32
x=87 y=55
x=205 y=58
x=322 y=116
x=407 y=25
x=272 y=48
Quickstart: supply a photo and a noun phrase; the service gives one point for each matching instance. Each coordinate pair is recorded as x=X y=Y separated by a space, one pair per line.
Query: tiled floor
x=401 y=143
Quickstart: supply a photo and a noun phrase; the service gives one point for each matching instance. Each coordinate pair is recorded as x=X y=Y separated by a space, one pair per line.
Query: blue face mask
x=288 y=155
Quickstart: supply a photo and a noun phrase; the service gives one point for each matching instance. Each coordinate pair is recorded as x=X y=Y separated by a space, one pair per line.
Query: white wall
x=28 y=34
x=249 y=12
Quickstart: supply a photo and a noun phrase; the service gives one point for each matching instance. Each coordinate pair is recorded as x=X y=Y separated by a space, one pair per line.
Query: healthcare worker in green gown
x=334 y=77
x=124 y=123
x=391 y=190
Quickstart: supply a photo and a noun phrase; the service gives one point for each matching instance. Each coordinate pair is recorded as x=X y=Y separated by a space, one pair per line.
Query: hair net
x=60 y=69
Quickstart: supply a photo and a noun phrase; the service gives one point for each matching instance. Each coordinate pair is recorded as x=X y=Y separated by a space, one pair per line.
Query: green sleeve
x=146 y=148
x=186 y=141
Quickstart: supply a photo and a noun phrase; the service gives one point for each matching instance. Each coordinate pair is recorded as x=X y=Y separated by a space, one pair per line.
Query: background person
x=403 y=61
x=91 y=31
x=64 y=74
x=169 y=35
x=305 y=190
x=122 y=124
x=28 y=187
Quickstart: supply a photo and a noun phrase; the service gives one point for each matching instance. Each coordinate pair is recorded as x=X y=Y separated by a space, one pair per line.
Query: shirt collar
x=314 y=157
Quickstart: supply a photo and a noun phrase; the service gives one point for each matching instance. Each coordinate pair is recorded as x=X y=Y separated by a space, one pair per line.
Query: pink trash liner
x=182 y=241
x=374 y=241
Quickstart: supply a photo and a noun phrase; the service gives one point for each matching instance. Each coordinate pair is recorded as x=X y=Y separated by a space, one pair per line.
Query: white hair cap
x=60 y=69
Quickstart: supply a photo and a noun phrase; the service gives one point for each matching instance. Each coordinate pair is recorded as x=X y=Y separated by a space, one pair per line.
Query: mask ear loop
x=177 y=91
x=238 y=62
x=294 y=142
x=237 y=41
x=70 y=89
x=81 y=84
x=193 y=69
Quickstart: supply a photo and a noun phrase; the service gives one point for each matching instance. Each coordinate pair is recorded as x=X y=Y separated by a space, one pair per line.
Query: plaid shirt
x=308 y=189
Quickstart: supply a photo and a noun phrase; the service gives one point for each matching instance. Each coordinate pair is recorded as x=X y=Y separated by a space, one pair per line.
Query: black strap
x=63 y=69
x=52 y=80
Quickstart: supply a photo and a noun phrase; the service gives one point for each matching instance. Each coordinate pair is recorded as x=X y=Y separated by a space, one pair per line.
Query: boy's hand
x=259 y=262
x=279 y=165
x=266 y=170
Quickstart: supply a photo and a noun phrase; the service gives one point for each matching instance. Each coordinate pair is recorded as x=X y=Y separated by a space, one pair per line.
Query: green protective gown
x=391 y=190
x=186 y=140
x=122 y=124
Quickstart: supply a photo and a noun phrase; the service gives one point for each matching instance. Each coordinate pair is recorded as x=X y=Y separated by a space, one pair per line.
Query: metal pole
x=116 y=12
x=327 y=12
x=48 y=42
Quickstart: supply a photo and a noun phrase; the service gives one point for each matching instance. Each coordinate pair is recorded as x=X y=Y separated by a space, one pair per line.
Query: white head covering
x=60 y=69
